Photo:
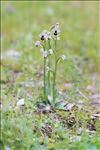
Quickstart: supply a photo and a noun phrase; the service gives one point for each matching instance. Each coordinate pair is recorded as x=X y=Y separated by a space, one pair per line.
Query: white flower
x=41 y=50
x=49 y=36
x=50 y=51
x=55 y=26
x=63 y=57
x=43 y=35
x=20 y=102
x=45 y=53
x=55 y=29
x=37 y=43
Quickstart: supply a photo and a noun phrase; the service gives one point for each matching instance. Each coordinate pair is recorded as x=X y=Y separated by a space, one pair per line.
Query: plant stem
x=49 y=64
x=44 y=77
x=55 y=70
x=44 y=74
x=54 y=82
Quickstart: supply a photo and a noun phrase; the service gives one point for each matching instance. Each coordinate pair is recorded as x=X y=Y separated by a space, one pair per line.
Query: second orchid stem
x=44 y=75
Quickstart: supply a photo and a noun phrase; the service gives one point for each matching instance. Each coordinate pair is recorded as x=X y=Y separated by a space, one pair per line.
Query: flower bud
x=37 y=43
x=63 y=57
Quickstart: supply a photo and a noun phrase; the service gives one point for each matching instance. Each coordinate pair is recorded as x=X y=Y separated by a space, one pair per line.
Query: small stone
x=20 y=102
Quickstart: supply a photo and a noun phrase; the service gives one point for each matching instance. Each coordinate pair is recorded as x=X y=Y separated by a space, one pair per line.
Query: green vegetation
x=27 y=122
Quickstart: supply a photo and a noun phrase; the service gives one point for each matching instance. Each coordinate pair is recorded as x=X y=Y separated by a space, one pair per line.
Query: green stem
x=49 y=64
x=44 y=74
x=44 y=77
x=55 y=71
x=54 y=82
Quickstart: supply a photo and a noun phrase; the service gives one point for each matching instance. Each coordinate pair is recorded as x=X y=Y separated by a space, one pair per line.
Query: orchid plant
x=48 y=48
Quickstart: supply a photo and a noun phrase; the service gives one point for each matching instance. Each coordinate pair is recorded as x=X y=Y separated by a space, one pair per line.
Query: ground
x=75 y=122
